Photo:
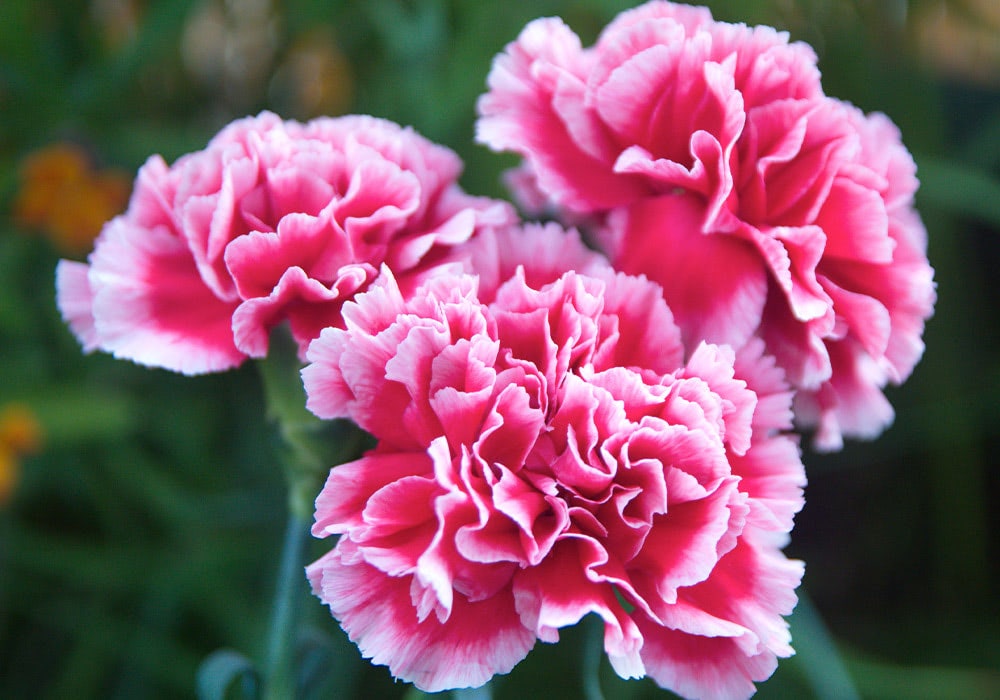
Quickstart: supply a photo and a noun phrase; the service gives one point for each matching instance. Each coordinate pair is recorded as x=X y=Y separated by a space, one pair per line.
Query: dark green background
x=146 y=533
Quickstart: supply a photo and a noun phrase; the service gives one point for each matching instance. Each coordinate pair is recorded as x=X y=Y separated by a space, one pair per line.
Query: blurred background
x=141 y=513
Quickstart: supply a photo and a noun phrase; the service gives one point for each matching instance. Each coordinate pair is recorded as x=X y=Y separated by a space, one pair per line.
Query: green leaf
x=959 y=188
x=220 y=670
x=817 y=654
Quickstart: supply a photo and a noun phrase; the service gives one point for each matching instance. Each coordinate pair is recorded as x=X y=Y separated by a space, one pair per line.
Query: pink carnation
x=722 y=171
x=273 y=221
x=549 y=455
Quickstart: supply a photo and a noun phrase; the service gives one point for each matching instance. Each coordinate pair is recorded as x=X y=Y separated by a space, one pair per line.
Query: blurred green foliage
x=145 y=533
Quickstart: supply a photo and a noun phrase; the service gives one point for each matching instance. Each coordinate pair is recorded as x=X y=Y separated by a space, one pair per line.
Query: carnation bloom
x=546 y=455
x=273 y=221
x=719 y=169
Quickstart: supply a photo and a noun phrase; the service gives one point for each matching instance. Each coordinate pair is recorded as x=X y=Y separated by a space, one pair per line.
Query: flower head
x=548 y=454
x=717 y=166
x=273 y=221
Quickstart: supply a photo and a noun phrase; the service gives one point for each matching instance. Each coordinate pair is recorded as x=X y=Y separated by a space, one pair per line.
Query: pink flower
x=274 y=221
x=721 y=170
x=545 y=456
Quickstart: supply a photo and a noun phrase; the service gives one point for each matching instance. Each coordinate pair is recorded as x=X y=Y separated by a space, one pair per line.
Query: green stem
x=280 y=668
x=593 y=654
x=310 y=447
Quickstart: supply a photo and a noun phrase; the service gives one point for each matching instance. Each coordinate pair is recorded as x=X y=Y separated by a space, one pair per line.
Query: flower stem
x=280 y=668
x=309 y=448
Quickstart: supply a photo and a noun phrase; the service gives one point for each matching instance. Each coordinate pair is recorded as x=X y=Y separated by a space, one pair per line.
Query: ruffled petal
x=715 y=284
x=75 y=300
x=477 y=641
x=150 y=305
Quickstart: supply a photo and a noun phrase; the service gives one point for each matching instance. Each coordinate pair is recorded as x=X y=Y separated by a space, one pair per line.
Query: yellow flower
x=20 y=435
x=63 y=196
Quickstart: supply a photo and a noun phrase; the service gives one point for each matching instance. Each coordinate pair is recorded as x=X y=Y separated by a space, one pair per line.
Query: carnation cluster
x=709 y=159
x=560 y=429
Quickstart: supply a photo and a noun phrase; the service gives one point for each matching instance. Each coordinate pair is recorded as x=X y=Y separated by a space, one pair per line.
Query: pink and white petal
x=258 y=259
x=399 y=526
x=564 y=588
x=768 y=68
x=792 y=255
x=798 y=347
x=76 y=302
x=347 y=380
x=544 y=251
x=681 y=549
x=714 y=364
x=850 y=403
x=629 y=35
x=797 y=187
x=476 y=642
x=151 y=306
x=342 y=500
x=905 y=287
x=856 y=224
x=773 y=477
x=767 y=380
x=376 y=309
x=379 y=199
x=526 y=525
x=313 y=313
x=518 y=114
x=511 y=428
x=727 y=632
x=672 y=84
x=753 y=586
x=307 y=303
x=701 y=667
x=407 y=251
x=645 y=336
x=690 y=17
x=152 y=202
x=866 y=319
x=209 y=220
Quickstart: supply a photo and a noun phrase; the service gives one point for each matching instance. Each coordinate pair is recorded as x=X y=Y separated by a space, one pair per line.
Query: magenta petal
x=477 y=641
x=722 y=307
x=856 y=224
